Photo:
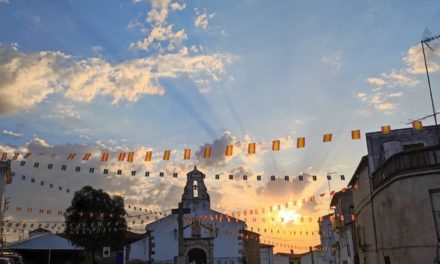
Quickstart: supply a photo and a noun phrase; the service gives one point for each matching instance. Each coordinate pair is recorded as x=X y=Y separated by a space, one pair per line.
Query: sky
x=112 y=76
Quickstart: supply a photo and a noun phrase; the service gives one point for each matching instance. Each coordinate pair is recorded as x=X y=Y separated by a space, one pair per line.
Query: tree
x=95 y=220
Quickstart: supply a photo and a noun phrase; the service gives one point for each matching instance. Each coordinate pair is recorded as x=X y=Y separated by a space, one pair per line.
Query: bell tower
x=195 y=195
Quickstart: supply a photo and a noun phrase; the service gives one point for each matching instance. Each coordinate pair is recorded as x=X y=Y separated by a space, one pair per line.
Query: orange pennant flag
x=251 y=148
x=355 y=134
x=417 y=125
x=385 y=129
x=148 y=155
x=166 y=155
x=327 y=138
x=87 y=156
x=207 y=152
x=187 y=154
x=27 y=155
x=130 y=157
x=71 y=156
x=121 y=156
x=4 y=156
x=301 y=142
x=229 y=150
x=276 y=145
x=104 y=157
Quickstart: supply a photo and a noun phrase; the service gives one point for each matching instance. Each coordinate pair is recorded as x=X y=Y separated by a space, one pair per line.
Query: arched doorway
x=197 y=256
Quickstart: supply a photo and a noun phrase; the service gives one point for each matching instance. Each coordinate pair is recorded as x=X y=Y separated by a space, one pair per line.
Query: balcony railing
x=407 y=161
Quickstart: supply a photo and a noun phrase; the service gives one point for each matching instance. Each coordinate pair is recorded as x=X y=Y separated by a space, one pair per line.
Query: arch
x=197 y=256
x=195 y=189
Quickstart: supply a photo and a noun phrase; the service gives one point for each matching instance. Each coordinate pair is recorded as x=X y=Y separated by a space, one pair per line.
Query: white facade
x=208 y=234
x=281 y=259
x=137 y=250
x=266 y=254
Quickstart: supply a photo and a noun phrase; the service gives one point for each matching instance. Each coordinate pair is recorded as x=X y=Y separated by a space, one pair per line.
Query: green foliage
x=94 y=220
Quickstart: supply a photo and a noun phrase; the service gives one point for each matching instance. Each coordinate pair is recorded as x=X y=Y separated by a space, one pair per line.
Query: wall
x=266 y=255
x=280 y=259
x=137 y=250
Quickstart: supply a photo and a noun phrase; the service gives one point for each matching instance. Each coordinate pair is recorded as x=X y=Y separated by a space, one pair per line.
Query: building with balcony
x=396 y=197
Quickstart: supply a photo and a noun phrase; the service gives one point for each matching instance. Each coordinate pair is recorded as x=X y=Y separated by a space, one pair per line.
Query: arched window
x=195 y=189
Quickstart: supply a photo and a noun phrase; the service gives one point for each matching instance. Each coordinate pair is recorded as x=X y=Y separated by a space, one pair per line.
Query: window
x=413 y=146
x=195 y=189
x=91 y=170
x=50 y=166
x=435 y=203
x=105 y=171
x=63 y=167
x=387 y=260
x=78 y=169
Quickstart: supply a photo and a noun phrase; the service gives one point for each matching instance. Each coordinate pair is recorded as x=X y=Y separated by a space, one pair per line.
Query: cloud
x=381 y=93
x=381 y=101
x=335 y=61
x=12 y=134
x=65 y=112
x=415 y=62
x=376 y=81
x=178 y=6
x=160 y=33
x=28 y=79
x=4 y=1
x=202 y=19
x=218 y=147
x=284 y=190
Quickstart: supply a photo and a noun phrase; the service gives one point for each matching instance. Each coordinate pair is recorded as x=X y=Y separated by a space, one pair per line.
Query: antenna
x=427 y=37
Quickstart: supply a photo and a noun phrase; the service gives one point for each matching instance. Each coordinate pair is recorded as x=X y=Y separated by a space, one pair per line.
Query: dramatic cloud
x=28 y=79
x=202 y=19
x=284 y=190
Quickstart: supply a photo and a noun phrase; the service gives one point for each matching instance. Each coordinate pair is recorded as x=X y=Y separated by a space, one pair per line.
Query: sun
x=289 y=216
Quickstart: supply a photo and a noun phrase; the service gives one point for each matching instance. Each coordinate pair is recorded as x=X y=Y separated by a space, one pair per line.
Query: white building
x=396 y=195
x=210 y=237
x=266 y=254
